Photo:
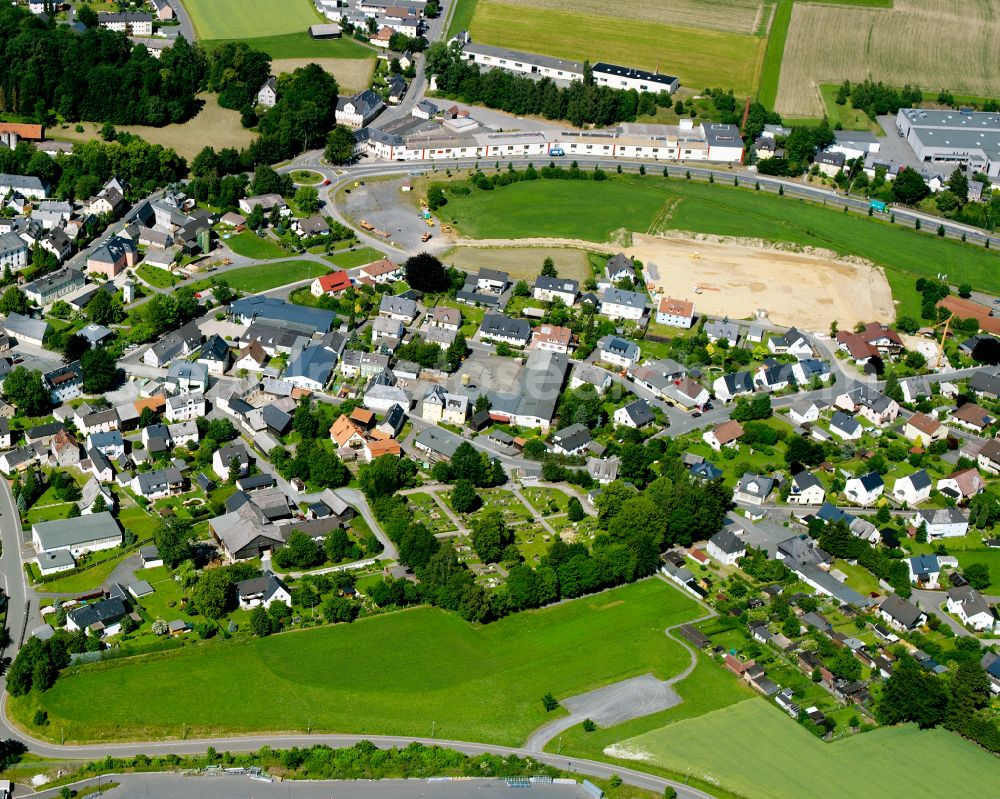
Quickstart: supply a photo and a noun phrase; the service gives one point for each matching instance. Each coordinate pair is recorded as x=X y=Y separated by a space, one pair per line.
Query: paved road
x=186 y=25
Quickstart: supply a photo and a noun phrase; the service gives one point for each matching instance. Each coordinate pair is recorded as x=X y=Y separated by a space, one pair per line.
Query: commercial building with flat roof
x=523 y=63
x=970 y=139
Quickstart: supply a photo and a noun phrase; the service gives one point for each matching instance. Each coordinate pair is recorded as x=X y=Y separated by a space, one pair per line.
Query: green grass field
x=991 y=557
x=770 y=70
x=462 y=16
x=353 y=258
x=156 y=276
x=83 y=580
x=583 y=211
x=391 y=674
x=266 y=276
x=756 y=751
x=246 y=19
x=698 y=57
x=250 y=245
x=299 y=44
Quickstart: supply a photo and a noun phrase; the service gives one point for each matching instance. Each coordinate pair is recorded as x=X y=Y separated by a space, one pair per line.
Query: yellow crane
x=946 y=324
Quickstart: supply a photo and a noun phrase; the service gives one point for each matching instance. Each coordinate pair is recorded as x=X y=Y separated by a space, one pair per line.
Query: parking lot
x=383 y=204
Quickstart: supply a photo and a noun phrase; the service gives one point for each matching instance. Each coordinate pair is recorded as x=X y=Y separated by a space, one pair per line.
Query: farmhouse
x=539 y=384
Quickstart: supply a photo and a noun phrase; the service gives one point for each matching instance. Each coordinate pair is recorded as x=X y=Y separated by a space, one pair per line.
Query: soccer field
x=757 y=752
x=393 y=674
x=250 y=19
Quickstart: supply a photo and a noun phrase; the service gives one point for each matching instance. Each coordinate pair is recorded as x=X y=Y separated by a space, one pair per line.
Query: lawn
x=249 y=19
x=156 y=277
x=306 y=177
x=461 y=18
x=138 y=521
x=250 y=245
x=297 y=44
x=756 y=751
x=352 y=258
x=697 y=56
x=480 y=683
x=84 y=579
x=991 y=557
x=547 y=501
x=584 y=212
x=47 y=513
x=263 y=277
x=770 y=70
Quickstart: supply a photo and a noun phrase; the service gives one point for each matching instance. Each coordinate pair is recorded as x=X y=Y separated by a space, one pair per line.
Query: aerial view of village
x=435 y=398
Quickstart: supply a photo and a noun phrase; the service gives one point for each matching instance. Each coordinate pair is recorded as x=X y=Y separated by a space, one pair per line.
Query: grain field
x=736 y=16
x=934 y=44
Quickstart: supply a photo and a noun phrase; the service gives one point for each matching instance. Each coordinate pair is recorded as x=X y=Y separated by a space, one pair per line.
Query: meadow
x=699 y=57
x=263 y=277
x=652 y=204
x=521 y=263
x=754 y=750
x=245 y=19
x=250 y=245
x=393 y=674
x=830 y=43
x=213 y=125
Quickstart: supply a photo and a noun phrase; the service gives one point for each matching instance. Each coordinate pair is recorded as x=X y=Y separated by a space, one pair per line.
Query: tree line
x=581 y=103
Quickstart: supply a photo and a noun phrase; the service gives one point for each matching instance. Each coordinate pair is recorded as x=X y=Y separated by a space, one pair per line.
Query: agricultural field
x=736 y=16
x=698 y=56
x=488 y=688
x=657 y=206
x=241 y=19
x=888 y=44
x=747 y=748
x=213 y=125
x=263 y=277
x=521 y=263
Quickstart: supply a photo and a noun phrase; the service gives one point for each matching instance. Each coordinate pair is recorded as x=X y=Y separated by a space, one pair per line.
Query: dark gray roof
x=572 y=438
x=902 y=611
x=498 y=325
x=557 y=284
x=639 y=412
x=728 y=542
x=107 y=611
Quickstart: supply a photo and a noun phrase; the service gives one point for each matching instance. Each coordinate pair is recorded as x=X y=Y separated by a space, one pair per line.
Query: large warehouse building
x=969 y=139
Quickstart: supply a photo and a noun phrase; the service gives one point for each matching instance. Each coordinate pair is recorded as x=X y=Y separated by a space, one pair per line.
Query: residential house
x=806 y=489
x=181 y=342
x=188 y=376
x=113 y=258
x=872 y=405
x=809 y=371
x=445 y=318
x=251 y=358
x=552 y=338
x=245 y=533
x=392 y=423
x=103 y=618
x=753 y=489
x=726 y=548
x=267 y=203
x=330 y=285
x=924 y=570
x=620 y=304
x=261 y=591
x=924 y=429
x=382 y=392
x=548 y=289
x=845 y=426
x=604 y=470
x=346 y=435
x=381 y=271
x=733 y=385
x=620 y=267
x=988 y=458
x=186 y=406
x=214 y=355
x=636 y=414
x=943 y=522
x=726 y=434
x=401 y=309
x=440 y=406
x=915 y=388
x=900 y=614
x=804 y=411
x=618 y=351
x=437 y=443
x=159 y=483
x=971 y=608
x=962 y=485
x=683 y=393
x=310 y=368
x=225 y=458
x=876 y=340
x=675 y=313
x=389 y=331
x=722 y=330
x=500 y=328
x=774 y=375
x=985 y=384
x=571 y=440
x=585 y=374
x=358 y=110
x=355 y=363
x=972 y=417
x=312 y=226
x=65 y=383
x=267 y=95
x=913 y=488
x=90 y=494
x=65 y=449
x=865 y=489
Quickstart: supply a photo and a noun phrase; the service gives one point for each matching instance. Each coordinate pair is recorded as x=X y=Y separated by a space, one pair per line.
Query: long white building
x=948 y=139
x=486 y=55
x=712 y=142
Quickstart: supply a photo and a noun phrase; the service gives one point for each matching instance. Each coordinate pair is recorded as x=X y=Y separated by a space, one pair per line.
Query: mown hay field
x=934 y=44
x=699 y=57
x=352 y=74
x=737 y=16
